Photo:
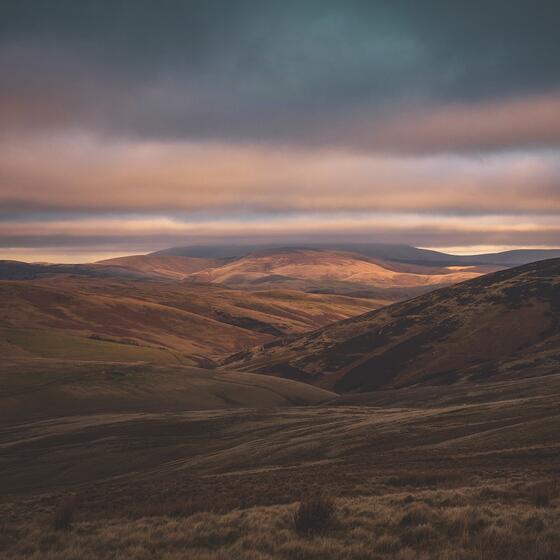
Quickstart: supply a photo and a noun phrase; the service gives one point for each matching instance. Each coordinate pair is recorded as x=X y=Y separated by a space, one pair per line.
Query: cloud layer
x=85 y=174
x=251 y=112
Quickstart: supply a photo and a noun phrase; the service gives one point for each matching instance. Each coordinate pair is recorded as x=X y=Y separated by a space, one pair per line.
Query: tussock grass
x=314 y=515
x=166 y=508
x=430 y=527
x=428 y=479
x=542 y=493
x=183 y=507
x=64 y=514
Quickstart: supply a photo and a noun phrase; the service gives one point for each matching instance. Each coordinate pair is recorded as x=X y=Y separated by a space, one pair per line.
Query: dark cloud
x=282 y=71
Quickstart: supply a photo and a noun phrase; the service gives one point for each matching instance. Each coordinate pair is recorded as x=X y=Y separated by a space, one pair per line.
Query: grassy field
x=457 y=524
x=47 y=389
x=466 y=474
x=58 y=344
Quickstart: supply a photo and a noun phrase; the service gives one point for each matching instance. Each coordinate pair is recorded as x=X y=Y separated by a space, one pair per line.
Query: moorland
x=149 y=415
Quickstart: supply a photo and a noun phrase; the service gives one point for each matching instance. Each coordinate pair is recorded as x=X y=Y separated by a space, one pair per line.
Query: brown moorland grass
x=314 y=515
x=421 y=480
x=64 y=514
x=94 y=319
x=448 y=525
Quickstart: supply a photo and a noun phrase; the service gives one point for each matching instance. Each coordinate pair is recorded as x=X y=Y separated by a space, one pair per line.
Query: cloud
x=85 y=236
x=520 y=123
x=280 y=119
x=88 y=174
x=284 y=72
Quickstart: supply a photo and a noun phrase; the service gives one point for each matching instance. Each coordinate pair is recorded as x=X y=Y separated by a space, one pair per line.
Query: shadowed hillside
x=393 y=252
x=501 y=325
x=41 y=389
x=17 y=270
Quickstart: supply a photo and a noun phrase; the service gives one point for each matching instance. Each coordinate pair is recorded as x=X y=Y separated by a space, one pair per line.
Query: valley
x=195 y=310
x=164 y=322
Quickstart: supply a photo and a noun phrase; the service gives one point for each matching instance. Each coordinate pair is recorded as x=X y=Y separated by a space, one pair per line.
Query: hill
x=308 y=270
x=18 y=270
x=498 y=326
x=81 y=318
x=45 y=388
x=386 y=251
x=322 y=266
x=170 y=460
x=172 y=267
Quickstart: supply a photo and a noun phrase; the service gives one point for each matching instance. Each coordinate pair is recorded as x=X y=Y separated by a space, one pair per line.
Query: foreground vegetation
x=469 y=523
x=468 y=472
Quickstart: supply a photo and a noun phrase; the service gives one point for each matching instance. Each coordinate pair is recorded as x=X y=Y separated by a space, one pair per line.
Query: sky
x=128 y=126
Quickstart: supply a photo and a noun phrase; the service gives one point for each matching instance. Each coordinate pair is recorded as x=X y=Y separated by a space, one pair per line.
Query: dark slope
x=427 y=257
x=18 y=270
x=511 y=258
x=502 y=325
x=42 y=389
x=386 y=251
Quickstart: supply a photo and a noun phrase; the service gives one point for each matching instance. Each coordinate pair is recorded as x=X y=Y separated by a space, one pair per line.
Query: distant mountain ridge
x=386 y=273
x=392 y=252
x=18 y=270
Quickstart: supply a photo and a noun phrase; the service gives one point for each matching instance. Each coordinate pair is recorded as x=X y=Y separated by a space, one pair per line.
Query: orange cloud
x=532 y=121
x=95 y=175
x=110 y=232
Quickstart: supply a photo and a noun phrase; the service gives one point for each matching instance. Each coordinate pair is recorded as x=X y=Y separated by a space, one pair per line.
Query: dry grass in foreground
x=434 y=479
x=462 y=524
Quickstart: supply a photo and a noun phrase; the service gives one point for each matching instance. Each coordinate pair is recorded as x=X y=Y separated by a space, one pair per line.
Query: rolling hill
x=18 y=270
x=427 y=478
x=82 y=318
x=166 y=460
x=499 y=326
x=44 y=388
x=308 y=270
x=176 y=268
x=392 y=252
x=321 y=266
